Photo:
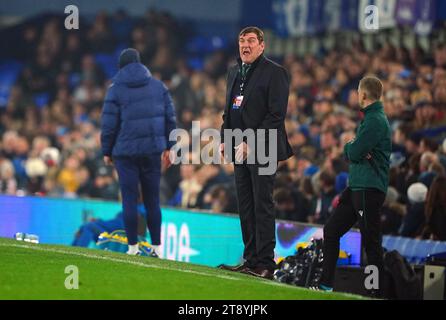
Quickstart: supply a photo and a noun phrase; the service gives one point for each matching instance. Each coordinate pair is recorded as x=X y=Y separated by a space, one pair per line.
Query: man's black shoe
x=375 y=294
x=260 y=273
x=237 y=268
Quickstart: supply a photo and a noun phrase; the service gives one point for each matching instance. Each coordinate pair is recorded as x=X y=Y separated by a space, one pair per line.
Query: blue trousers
x=144 y=171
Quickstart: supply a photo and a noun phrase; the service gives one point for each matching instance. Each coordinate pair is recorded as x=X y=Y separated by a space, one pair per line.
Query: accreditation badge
x=237 y=102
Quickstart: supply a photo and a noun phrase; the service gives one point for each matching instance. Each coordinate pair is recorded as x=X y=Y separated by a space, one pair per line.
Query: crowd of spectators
x=53 y=149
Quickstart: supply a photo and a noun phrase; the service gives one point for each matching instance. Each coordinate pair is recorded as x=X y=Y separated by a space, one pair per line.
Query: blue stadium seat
x=389 y=242
x=218 y=43
x=410 y=251
x=9 y=71
x=440 y=246
x=42 y=99
x=74 y=79
x=108 y=63
x=122 y=29
x=424 y=248
x=402 y=245
x=196 y=64
x=202 y=45
x=121 y=46
x=414 y=250
x=196 y=45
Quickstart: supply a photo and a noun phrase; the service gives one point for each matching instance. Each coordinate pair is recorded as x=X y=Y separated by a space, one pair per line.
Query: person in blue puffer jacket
x=137 y=118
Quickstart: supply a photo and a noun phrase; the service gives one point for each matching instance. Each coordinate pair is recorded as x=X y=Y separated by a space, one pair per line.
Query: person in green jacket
x=369 y=161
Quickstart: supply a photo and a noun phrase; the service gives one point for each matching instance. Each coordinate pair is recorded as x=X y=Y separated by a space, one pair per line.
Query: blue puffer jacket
x=138 y=114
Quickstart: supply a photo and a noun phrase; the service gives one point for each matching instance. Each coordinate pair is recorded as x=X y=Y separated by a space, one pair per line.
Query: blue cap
x=311 y=170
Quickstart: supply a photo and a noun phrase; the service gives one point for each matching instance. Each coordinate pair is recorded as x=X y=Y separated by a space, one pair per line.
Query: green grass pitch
x=37 y=271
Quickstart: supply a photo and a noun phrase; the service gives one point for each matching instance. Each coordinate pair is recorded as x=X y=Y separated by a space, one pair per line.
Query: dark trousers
x=257 y=216
x=365 y=207
x=145 y=171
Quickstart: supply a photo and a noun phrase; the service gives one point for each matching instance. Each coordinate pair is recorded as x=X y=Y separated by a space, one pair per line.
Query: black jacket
x=413 y=220
x=436 y=225
x=265 y=102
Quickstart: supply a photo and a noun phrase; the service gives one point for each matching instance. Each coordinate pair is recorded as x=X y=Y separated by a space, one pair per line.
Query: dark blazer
x=138 y=114
x=264 y=103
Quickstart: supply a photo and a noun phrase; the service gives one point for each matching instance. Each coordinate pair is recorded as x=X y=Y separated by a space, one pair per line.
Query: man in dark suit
x=257 y=98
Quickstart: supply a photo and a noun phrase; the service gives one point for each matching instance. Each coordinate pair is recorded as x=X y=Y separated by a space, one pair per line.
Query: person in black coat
x=435 y=212
x=257 y=98
x=413 y=221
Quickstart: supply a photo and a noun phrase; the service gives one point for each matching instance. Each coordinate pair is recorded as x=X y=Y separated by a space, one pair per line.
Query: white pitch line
x=93 y=256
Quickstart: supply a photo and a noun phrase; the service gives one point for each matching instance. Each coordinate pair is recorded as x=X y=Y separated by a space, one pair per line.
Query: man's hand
x=108 y=160
x=165 y=159
x=242 y=151
x=368 y=156
x=222 y=149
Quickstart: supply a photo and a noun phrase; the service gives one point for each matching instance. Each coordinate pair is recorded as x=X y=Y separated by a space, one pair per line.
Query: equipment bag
x=406 y=284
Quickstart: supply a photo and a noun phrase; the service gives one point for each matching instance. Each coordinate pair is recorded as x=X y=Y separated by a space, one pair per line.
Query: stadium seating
x=9 y=71
x=108 y=63
x=414 y=250
x=41 y=99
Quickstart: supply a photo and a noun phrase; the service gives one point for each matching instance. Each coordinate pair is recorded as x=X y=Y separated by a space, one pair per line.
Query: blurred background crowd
x=49 y=136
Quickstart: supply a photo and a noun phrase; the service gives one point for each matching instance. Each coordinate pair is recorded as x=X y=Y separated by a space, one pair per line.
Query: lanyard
x=242 y=85
x=243 y=78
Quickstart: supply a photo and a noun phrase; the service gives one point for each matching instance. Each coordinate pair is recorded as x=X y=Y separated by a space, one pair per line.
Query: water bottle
x=21 y=236
x=33 y=238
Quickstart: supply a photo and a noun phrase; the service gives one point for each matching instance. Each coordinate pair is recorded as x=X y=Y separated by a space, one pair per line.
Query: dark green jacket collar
x=375 y=106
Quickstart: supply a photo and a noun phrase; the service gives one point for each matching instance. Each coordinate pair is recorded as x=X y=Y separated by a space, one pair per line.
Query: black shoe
x=260 y=273
x=375 y=294
x=237 y=268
